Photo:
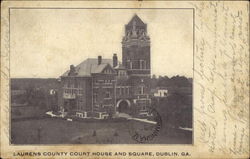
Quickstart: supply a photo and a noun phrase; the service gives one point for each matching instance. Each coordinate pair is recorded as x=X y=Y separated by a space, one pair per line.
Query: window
x=124 y=90
x=71 y=83
x=80 y=92
x=65 y=84
x=80 y=84
x=95 y=97
x=122 y=73
x=143 y=107
x=141 y=90
x=75 y=83
x=80 y=104
x=108 y=71
x=107 y=94
x=142 y=64
x=77 y=105
x=129 y=64
x=107 y=81
x=120 y=90
x=75 y=91
x=128 y=90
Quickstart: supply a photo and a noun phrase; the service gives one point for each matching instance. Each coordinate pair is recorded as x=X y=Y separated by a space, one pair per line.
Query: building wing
x=89 y=66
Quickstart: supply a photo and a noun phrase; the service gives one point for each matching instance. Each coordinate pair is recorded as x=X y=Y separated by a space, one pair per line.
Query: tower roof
x=136 y=20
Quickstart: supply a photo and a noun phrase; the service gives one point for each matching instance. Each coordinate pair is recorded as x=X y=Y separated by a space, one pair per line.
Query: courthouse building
x=100 y=87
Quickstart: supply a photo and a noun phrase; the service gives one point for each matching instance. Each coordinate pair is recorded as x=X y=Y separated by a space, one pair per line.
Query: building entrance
x=123 y=106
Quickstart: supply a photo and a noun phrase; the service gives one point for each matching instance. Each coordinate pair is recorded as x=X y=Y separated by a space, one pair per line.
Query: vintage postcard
x=124 y=79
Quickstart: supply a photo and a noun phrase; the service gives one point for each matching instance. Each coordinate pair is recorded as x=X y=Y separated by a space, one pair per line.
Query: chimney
x=115 y=60
x=72 y=68
x=99 y=60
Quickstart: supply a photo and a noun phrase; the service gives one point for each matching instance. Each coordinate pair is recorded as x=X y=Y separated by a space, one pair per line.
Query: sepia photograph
x=101 y=76
x=124 y=79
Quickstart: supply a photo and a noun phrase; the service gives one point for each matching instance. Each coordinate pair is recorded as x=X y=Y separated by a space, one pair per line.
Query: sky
x=45 y=42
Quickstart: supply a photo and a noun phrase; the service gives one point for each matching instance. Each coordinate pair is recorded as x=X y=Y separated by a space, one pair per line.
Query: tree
x=163 y=81
x=173 y=111
x=180 y=81
x=153 y=82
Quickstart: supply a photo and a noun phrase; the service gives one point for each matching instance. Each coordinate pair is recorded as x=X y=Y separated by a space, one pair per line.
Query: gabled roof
x=98 y=68
x=89 y=66
x=137 y=19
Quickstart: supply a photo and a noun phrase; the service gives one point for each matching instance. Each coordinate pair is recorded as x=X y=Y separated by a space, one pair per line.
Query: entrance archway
x=123 y=106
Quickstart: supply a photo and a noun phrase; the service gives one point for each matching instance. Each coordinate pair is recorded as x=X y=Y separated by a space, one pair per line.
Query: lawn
x=59 y=131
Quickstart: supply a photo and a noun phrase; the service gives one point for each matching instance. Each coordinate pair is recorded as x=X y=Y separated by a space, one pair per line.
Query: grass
x=58 y=131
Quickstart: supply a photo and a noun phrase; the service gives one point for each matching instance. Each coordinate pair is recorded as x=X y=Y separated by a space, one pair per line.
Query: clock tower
x=136 y=59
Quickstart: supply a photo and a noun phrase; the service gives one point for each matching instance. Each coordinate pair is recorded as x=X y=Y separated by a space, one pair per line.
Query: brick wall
x=103 y=92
